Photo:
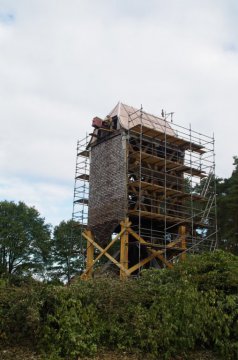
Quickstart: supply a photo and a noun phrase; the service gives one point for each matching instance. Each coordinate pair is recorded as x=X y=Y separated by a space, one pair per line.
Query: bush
x=70 y=326
x=19 y=315
x=164 y=313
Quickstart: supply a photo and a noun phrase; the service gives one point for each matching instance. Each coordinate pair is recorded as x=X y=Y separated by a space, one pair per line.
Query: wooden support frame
x=156 y=253
x=91 y=262
x=124 y=248
x=123 y=264
x=90 y=253
x=182 y=233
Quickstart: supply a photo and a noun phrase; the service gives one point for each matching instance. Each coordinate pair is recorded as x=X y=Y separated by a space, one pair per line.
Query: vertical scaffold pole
x=215 y=192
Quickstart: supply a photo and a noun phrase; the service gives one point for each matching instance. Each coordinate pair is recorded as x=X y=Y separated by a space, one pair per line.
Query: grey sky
x=63 y=62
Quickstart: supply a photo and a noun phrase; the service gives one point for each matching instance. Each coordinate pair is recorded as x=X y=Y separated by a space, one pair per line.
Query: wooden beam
x=103 y=252
x=153 y=187
x=158 y=252
x=123 y=264
x=161 y=246
x=144 y=261
x=170 y=165
x=151 y=215
x=124 y=248
x=171 y=139
x=114 y=261
x=182 y=233
x=90 y=255
x=152 y=256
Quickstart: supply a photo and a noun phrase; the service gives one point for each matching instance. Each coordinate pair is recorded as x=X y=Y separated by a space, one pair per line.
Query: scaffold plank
x=192 y=196
x=154 y=187
x=161 y=246
x=151 y=215
x=186 y=145
x=168 y=164
x=167 y=218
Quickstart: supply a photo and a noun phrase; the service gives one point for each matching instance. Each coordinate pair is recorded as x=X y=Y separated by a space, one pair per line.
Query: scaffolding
x=153 y=192
x=81 y=192
x=171 y=182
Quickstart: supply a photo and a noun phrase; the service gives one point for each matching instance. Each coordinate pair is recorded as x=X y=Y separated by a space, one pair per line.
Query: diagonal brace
x=104 y=251
x=114 y=261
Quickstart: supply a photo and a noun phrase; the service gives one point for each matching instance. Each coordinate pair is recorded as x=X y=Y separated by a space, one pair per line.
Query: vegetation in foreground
x=163 y=314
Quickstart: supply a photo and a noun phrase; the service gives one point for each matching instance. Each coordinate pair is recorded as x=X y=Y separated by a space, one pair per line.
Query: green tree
x=228 y=210
x=24 y=239
x=67 y=250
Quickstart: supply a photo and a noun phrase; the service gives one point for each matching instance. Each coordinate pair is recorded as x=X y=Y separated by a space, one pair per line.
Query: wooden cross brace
x=123 y=263
x=91 y=244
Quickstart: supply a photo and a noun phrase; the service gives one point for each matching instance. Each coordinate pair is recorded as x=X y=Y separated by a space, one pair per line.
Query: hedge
x=161 y=314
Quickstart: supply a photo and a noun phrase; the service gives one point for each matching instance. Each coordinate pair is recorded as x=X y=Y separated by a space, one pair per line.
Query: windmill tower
x=151 y=192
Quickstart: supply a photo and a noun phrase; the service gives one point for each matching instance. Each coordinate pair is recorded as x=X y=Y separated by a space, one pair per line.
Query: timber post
x=124 y=248
x=182 y=233
x=90 y=255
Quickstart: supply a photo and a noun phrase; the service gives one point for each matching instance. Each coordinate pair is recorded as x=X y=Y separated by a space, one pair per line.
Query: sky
x=62 y=62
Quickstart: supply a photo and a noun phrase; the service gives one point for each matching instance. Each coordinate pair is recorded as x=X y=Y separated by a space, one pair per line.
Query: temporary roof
x=138 y=120
x=130 y=117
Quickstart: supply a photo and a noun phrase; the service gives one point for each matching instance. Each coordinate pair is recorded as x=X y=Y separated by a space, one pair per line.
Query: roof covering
x=130 y=117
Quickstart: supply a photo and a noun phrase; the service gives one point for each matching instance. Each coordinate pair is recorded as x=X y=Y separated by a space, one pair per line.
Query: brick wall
x=107 y=189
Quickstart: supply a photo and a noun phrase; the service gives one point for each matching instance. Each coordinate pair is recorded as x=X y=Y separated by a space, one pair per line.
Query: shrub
x=163 y=313
x=19 y=314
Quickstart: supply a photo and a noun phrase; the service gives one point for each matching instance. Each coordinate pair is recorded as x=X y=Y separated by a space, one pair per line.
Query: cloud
x=50 y=199
x=63 y=62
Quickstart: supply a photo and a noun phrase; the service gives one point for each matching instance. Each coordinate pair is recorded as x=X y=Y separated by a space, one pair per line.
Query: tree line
x=31 y=247
x=227 y=210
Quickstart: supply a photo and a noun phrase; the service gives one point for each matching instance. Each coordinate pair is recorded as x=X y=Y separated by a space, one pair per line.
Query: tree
x=67 y=252
x=24 y=239
x=228 y=210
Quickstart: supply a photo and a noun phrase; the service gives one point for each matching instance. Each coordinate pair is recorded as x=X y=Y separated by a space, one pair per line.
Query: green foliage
x=227 y=201
x=19 y=314
x=164 y=313
x=66 y=252
x=69 y=326
x=202 y=304
x=24 y=239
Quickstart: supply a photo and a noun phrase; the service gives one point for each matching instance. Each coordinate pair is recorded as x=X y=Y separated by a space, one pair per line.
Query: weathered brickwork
x=107 y=192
